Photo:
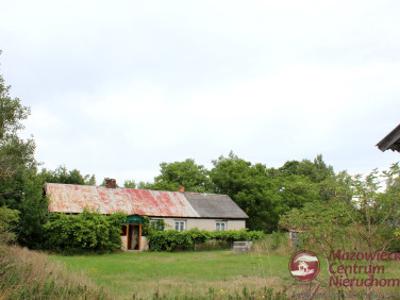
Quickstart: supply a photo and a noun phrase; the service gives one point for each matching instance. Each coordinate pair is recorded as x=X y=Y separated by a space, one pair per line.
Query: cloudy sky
x=116 y=87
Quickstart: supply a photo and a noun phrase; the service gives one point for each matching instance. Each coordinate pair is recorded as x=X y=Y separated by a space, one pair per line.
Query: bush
x=8 y=222
x=171 y=240
x=156 y=224
x=87 y=231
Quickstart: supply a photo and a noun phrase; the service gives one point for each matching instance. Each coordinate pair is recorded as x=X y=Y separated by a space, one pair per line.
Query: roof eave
x=391 y=141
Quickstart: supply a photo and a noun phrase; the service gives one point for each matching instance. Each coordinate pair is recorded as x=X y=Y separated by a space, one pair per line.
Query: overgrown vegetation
x=368 y=222
x=88 y=231
x=8 y=224
x=171 y=240
x=274 y=243
x=26 y=274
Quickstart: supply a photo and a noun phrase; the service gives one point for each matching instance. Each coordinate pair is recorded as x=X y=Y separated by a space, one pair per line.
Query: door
x=134 y=236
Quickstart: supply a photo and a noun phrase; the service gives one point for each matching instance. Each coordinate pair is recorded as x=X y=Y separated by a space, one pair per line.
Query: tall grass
x=213 y=294
x=26 y=274
x=276 y=243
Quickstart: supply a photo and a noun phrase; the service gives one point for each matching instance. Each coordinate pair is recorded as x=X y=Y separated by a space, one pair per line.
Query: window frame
x=221 y=225
x=180 y=225
x=157 y=223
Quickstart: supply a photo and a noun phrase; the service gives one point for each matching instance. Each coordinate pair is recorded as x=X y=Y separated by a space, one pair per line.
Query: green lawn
x=144 y=273
x=141 y=274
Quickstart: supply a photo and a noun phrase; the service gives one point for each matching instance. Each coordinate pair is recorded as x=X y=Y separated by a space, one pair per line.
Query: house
x=391 y=141
x=303 y=266
x=178 y=210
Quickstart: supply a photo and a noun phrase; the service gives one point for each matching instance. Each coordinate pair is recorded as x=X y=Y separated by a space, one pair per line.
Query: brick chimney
x=181 y=189
x=111 y=183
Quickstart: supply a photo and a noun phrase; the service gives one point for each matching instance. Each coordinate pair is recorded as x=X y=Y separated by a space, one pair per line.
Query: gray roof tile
x=215 y=206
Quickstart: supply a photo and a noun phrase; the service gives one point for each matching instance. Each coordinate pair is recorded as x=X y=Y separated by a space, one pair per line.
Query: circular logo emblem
x=304 y=265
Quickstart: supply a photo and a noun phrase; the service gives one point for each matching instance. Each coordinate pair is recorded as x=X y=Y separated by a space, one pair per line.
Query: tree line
x=263 y=193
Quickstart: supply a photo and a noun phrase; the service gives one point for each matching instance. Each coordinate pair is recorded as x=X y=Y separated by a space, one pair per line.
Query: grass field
x=143 y=274
x=129 y=275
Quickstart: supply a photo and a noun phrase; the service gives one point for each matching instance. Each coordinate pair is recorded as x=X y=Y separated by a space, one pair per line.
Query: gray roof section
x=215 y=206
x=391 y=141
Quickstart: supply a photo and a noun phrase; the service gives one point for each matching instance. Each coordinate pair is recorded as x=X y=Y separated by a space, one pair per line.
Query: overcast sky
x=116 y=87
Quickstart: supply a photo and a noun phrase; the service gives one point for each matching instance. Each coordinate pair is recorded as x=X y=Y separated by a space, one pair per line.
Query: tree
x=252 y=187
x=264 y=193
x=368 y=211
x=316 y=170
x=62 y=175
x=130 y=184
x=232 y=174
x=187 y=173
x=392 y=193
x=367 y=222
x=15 y=153
x=324 y=225
x=12 y=112
x=378 y=208
x=294 y=192
x=20 y=188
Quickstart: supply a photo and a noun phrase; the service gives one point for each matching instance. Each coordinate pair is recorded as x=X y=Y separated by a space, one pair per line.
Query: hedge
x=84 y=232
x=171 y=240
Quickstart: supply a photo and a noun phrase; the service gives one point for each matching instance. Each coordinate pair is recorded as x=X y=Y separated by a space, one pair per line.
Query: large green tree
x=187 y=173
x=252 y=187
x=267 y=193
x=20 y=187
x=16 y=154
x=316 y=170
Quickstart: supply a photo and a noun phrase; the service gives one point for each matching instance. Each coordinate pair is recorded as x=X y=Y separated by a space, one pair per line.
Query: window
x=180 y=225
x=123 y=231
x=220 y=225
x=157 y=224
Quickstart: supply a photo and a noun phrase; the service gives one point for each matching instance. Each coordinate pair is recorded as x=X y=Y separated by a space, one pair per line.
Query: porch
x=131 y=235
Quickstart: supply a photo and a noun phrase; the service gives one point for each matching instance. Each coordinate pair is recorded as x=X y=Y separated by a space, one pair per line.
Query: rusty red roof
x=72 y=198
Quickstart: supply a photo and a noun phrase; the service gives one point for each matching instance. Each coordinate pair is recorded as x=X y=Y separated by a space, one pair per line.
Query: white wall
x=124 y=242
x=205 y=224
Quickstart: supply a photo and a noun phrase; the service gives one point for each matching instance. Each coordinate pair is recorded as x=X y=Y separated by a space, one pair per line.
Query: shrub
x=8 y=222
x=155 y=224
x=171 y=240
x=87 y=231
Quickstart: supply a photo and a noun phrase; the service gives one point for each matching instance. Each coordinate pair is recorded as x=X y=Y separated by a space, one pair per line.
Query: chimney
x=181 y=189
x=110 y=183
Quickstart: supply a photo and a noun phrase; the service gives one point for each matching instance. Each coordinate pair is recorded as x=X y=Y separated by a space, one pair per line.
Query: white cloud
x=117 y=88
